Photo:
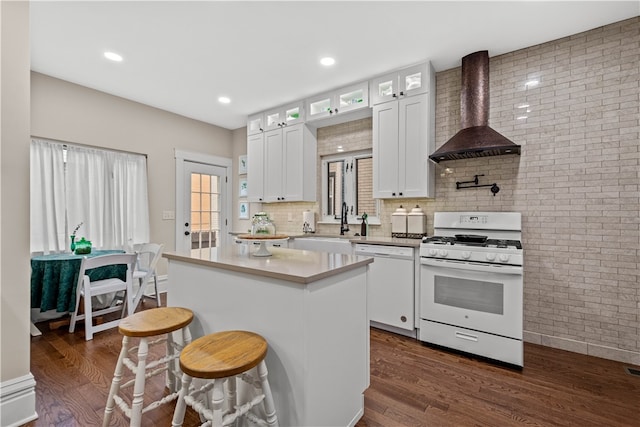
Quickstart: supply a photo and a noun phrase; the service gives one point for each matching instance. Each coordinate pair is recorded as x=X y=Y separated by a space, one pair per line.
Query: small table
x=54 y=278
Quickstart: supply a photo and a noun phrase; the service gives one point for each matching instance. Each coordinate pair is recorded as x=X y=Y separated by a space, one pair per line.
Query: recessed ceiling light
x=113 y=56
x=327 y=61
x=224 y=100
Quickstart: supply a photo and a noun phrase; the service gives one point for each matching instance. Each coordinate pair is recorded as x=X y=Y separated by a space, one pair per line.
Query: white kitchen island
x=311 y=307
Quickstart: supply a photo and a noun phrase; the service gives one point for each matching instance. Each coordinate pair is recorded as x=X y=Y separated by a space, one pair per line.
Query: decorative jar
x=83 y=247
x=262 y=225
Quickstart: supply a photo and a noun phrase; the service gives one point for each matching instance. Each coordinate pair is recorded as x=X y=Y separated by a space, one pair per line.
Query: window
x=348 y=179
x=103 y=190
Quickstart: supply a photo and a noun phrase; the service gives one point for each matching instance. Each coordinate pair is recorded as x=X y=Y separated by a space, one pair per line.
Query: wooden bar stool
x=156 y=322
x=225 y=357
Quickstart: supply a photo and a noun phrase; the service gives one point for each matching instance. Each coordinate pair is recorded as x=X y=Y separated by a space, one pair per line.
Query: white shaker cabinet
x=255 y=167
x=290 y=164
x=402 y=142
x=406 y=82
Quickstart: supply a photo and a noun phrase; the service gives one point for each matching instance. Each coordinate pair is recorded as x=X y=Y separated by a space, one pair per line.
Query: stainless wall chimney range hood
x=476 y=139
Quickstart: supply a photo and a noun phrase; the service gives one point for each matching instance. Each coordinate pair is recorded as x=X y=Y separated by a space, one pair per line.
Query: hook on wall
x=494 y=187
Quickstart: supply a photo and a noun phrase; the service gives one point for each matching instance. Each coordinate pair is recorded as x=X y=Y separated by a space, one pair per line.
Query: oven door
x=481 y=297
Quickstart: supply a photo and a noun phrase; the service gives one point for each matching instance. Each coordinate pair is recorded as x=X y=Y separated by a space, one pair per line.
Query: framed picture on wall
x=243 y=188
x=242 y=164
x=244 y=210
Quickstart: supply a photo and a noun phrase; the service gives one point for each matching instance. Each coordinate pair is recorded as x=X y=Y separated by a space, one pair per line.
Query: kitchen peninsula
x=311 y=307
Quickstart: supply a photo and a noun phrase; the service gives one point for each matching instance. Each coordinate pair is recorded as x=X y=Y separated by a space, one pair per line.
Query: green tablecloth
x=54 y=278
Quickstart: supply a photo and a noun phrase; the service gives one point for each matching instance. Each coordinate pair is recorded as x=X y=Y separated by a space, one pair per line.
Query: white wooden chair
x=148 y=257
x=88 y=289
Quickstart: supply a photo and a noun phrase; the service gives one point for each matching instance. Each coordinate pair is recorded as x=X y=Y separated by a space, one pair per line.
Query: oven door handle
x=462 y=265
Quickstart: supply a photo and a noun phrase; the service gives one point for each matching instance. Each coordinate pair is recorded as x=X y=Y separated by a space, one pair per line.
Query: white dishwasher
x=391 y=290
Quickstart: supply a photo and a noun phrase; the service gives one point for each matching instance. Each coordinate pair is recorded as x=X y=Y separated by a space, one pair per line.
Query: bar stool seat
x=223 y=358
x=156 y=322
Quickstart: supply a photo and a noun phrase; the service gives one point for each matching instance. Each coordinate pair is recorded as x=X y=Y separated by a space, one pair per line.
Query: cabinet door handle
x=393 y=194
x=336 y=110
x=400 y=194
x=394 y=95
x=401 y=93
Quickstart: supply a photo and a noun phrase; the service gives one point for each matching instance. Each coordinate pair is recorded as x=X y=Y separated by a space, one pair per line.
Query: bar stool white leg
x=115 y=383
x=232 y=393
x=138 y=387
x=269 y=405
x=181 y=405
x=217 y=401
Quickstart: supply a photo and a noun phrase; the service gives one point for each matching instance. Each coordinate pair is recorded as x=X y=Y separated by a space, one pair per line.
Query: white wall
x=17 y=396
x=68 y=112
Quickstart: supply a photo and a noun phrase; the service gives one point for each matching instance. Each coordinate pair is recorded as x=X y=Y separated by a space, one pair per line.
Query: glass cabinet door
x=320 y=106
x=255 y=124
x=293 y=113
x=353 y=97
x=414 y=80
x=384 y=88
x=273 y=119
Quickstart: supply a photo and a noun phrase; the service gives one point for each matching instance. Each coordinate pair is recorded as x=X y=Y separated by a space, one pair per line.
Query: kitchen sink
x=324 y=244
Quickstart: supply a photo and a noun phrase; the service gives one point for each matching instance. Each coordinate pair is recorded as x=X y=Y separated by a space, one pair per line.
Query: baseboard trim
x=18 y=401
x=611 y=353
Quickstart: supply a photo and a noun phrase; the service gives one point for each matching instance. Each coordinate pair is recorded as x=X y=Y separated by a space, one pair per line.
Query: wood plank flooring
x=412 y=384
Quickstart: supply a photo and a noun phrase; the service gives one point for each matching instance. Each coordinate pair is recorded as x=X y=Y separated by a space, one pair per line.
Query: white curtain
x=48 y=221
x=104 y=190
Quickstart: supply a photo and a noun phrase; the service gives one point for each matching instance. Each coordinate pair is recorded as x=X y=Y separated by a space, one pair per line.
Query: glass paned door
x=204 y=207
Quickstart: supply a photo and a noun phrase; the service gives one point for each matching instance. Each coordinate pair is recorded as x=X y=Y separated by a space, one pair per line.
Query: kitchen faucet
x=344 y=224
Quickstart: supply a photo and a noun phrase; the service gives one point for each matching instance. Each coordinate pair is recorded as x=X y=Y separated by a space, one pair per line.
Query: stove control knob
x=433 y=252
x=491 y=257
x=466 y=255
x=443 y=253
x=504 y=257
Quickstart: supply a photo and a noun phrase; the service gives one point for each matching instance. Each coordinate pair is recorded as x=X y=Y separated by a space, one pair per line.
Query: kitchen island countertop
x=298 y=266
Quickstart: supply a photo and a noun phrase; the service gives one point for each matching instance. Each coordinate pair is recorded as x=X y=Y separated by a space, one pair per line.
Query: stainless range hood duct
x=476 y=139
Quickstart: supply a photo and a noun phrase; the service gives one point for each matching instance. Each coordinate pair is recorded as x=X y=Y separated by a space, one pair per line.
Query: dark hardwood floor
x=411 y=385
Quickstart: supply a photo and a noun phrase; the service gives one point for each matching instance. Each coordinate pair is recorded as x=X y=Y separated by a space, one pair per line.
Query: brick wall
x=576 y=182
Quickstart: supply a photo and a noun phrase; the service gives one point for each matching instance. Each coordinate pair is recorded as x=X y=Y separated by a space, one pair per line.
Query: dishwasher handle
x=397 y=252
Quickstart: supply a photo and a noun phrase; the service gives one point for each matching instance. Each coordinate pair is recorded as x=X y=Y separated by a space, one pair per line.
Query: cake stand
x=263 y=239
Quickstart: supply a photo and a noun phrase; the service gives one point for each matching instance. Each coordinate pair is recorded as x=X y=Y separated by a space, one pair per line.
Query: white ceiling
x=181 y=56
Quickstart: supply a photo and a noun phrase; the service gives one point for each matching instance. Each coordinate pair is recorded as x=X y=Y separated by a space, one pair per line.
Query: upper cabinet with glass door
x=255 y=124
x=409 y=81
x=286 y=115
x=330 y=104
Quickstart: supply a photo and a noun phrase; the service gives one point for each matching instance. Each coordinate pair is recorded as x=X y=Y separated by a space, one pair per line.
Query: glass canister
x=262 y=225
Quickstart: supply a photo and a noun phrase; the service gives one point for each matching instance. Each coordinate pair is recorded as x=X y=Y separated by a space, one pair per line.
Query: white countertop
x=371 y=240
x=292 y=265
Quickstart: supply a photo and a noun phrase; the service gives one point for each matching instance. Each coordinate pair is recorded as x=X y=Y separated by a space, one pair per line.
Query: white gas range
x=471 y=279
